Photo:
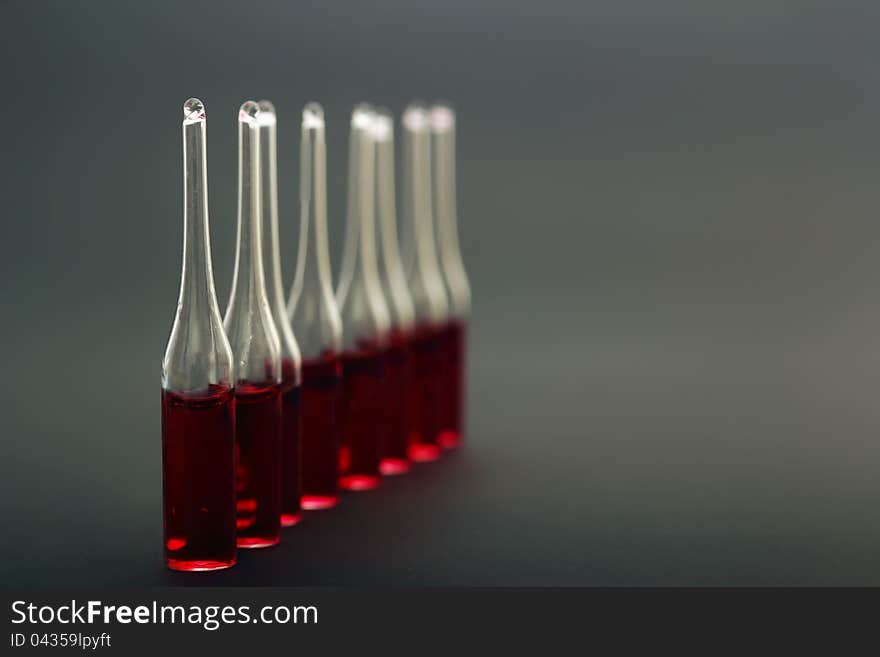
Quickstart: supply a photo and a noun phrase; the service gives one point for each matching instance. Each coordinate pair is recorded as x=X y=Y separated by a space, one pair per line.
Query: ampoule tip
x=313 y=116
x=442 y=118
x=193 y=111
x=362 y=116
x=267 y=112
x=383 y=125
x=415 y=117
x=249 y=112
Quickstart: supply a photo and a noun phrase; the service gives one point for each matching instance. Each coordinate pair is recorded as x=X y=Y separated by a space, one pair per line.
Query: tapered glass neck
x=392 y=270
x=267 y=120
x=313 y=260
x=197 y=276
x=248 y=321
x=443 y=149
x=443 y=131
x=422 y=248
x=359 y=265
x=198 y=354
x=248 y=281
x=269 y=203
x=312 y=306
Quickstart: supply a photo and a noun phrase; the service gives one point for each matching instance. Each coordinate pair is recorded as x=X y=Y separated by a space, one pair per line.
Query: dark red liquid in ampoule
x=258 y=464
x=425 y=398
x=363 y=418
x=320 y=401
x=395 y=446
x=198 y=477
x=291 y=488
x=454 y=346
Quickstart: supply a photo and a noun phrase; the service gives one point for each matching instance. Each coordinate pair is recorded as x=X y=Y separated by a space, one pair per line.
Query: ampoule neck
x=427 y=285
x=364 y=311
x=312 y=305
x=290 y=354
x=443 y=122
x=391 y=266
x=197 y=277
x=198 y=354
x=248 y=321
x=313 y=263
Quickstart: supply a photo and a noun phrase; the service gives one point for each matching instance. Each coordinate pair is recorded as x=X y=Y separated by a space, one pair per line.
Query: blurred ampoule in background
x=454 y=274
x=394 y=450
x=256 y=351
x=365 y=319
x=427 y=287
x=290 y=357
x=314 y=316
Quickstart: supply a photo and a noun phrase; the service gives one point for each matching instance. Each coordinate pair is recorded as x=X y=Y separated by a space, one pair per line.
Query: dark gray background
x=669 y=215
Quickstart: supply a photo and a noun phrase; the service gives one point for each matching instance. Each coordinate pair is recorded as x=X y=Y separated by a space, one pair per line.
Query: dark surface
x=669 y=215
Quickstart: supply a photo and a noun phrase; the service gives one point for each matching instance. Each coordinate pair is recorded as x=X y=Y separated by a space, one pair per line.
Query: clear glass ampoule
x=257 y=352
x=198 y=409
x=427 y=288
x=365 y=321
x=291 y=360
x=395 y=454
x=454 y=274
x=314 y=316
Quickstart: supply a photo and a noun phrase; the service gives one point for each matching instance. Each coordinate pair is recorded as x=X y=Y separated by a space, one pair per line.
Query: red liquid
x=320 y=400
x=425 y=398
x=258 y=466
x=363 y=419
x=291 y=511
x=452 y=426
x=395 y=446
x=198 y=479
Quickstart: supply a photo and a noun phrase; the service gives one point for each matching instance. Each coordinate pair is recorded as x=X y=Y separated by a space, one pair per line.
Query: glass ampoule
x=314 y=316
x=291 y=512
x=395 y=448
x=427 y=288
x=198 y=409
x=454 y=274
x=257 y=352
x=365 y=321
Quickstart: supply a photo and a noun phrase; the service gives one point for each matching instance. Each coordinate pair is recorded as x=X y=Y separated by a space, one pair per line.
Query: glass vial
x=394 y=449
x=454 y=274
x=291 y=512
x=198 y=410
x=427 y=288
x=314 y=316
x=257 y=352
x=365 y=320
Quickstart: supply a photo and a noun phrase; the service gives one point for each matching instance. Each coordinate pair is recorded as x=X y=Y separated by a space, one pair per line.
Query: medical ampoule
x=394 y=450
x=454 y=274
x=314 y=316
x=291 y=511
x=198 y=408
x=365 y=320
x=426 y=287
x=257 y=352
